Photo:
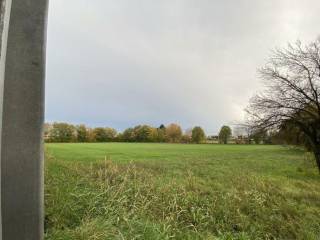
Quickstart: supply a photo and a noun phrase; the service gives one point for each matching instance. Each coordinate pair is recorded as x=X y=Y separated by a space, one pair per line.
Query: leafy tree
x=111 y=134
x=258 y=136
x=142 y=133
x=162 y=127
x=225 y=134
x=128 y=135
x=185 y=139
x=119 y=137
x=188 y=132
x=187 y=136
x=198 y=135
x=62 y=132
x=46 y=131
x=91 y=135
x=154 y=135
x=290 y=134
x=100 y=134
x=161 y=132
x=173 y=133
x=82 y=133
x=292 y=93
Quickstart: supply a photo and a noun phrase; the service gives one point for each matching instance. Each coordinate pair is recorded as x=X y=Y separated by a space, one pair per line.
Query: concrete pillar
x=5 y=7
x=22 y=99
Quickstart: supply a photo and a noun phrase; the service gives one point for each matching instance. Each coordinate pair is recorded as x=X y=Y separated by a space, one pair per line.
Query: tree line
x=172 y=133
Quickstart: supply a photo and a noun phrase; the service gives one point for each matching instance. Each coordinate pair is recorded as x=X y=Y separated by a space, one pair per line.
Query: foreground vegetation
x=173 y=191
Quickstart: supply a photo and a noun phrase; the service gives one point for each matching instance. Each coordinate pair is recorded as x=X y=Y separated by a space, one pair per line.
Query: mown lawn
x=172 y=191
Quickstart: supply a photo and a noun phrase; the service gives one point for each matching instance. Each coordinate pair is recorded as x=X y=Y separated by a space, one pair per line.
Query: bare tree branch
x=292 y=92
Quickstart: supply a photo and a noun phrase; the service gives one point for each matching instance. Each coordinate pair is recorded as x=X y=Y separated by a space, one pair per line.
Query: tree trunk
x=314 y=146
x=317 y=156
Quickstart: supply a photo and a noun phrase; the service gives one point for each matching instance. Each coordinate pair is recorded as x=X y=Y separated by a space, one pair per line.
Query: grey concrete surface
x=22 y=97
x=5 y=6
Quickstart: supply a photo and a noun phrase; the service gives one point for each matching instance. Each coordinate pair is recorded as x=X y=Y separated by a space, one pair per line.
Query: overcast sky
x=120 y=63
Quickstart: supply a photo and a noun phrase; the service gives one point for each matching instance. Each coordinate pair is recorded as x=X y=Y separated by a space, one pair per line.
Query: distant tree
x=47 y=131
x=258 y=136
x=119 y=137
x=185 y=138
x=91 y=135
x=128 y=135
x=173 y=133
x=290 y=134
x=198 y=135
x=225 y=134
x=154 y=135
x=142 y=133
x=62 y=132
x=82 y=134
x=188 y=132
x=100 y=134
x=292 y=93
x=161 y=132
x=162 y=127
x=111 y=134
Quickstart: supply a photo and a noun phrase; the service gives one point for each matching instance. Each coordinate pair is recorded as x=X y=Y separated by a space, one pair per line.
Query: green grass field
x=175 y=191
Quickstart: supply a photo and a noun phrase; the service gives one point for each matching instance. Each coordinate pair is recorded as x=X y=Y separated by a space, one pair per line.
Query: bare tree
x=292 y=93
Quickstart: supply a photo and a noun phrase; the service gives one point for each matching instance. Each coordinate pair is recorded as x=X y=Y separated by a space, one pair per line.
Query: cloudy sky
x=120 y=63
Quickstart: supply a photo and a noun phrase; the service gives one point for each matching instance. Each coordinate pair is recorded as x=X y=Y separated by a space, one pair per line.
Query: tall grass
x=136 y=200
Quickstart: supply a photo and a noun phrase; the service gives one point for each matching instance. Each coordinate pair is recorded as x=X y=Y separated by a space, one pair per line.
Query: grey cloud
x=122 y=62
